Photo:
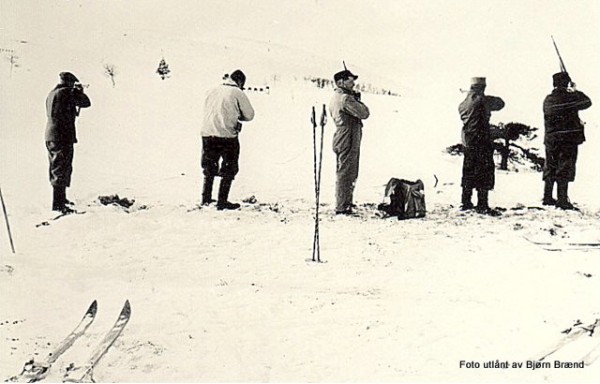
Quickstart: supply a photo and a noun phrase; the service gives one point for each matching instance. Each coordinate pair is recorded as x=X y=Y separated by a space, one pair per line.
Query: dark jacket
x=478 y=164
x=347 y=112
x=475 y=112
x=62 y=107
x=561 y=118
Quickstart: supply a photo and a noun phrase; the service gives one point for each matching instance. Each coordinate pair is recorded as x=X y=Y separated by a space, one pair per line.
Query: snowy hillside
x=233 y=296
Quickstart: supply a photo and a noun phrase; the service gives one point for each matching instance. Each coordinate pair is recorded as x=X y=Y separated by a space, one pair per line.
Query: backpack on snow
x=406 y=199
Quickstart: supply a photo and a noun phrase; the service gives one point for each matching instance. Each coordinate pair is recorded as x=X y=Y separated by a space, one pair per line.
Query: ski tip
x=127 y=307
x=93 y=308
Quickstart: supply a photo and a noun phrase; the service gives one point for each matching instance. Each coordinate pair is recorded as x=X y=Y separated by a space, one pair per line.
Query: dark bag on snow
x=406 y=199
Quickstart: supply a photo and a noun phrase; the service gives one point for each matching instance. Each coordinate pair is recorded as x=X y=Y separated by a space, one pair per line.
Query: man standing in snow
x=478 y=164
x=564 y=133
x=226 y=106
x=347 y=112
x=62 y=107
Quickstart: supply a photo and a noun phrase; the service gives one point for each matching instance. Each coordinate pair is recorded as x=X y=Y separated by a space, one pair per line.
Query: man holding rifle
x=563 y=134
x=347 y=112
x=478 y=164
x=225 y=107
x=62 y=108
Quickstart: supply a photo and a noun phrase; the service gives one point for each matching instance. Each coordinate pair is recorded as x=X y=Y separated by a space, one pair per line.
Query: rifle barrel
x=562 y=64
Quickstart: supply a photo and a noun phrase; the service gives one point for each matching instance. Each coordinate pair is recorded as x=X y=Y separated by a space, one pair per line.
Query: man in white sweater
x=226 y=106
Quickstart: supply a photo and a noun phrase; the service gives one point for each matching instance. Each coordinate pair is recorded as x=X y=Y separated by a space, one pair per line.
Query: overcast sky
x=429 y=45
x=406 y=32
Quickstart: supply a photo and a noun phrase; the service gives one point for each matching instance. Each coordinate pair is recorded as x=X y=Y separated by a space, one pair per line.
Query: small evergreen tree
x=511 y=142
x=110 y=71
x=163 y=69
x=13 y=60
x=506 y=136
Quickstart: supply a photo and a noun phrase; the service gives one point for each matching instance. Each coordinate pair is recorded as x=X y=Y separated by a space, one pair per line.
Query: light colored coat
x=347 y=113
x=225 y=106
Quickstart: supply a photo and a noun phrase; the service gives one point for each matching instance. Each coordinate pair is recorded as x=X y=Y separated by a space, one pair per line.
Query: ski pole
x=313 y=120
x=316 y=251
x=12 y=246
x=322 y=123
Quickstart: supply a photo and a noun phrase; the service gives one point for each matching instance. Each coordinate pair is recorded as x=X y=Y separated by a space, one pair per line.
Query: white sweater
x=224 y=107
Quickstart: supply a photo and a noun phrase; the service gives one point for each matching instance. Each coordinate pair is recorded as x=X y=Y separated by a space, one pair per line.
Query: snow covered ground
x=234 y=296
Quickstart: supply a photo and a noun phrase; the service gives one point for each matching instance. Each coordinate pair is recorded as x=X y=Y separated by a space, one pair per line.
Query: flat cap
x=343 y=75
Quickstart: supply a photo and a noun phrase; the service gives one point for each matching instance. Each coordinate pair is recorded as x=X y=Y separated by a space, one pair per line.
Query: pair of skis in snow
x=58 y=216
x=565 y=245
x=572 y=334
x=35 y=371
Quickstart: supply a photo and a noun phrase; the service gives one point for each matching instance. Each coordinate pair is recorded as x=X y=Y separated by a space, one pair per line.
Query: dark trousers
x=225 y=149
x=561 y=159
x=478 y=168
x=60 y=158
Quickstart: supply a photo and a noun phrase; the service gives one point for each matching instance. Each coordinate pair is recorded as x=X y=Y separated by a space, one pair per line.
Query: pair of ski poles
x=316 y=255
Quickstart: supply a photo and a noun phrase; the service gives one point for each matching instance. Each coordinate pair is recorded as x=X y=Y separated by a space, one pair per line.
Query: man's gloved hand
x=238 y=127
x=357 y=95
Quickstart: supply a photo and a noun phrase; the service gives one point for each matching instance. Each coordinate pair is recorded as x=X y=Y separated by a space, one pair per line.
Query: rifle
x=562 y=63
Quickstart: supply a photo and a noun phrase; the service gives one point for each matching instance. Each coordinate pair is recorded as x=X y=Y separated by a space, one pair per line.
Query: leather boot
x=58 y=198
x=563 y=195
x=466 y=203
x=482 y=201
x=207 y=190
x=483 y=206
x=548 y=189
x=222 y=203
